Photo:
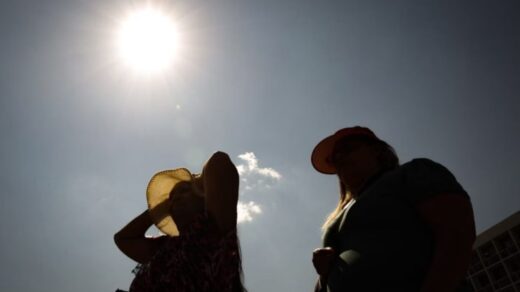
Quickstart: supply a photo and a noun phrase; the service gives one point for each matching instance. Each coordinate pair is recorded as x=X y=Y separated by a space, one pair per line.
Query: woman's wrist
x=159 y=212
x=137 y=227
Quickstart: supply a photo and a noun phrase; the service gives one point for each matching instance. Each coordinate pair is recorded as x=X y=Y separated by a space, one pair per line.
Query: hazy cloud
x=253 y=176
x=253 y=179
x=246 y=211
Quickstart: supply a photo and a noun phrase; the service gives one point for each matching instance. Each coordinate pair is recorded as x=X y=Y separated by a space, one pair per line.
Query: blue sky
x=263 y=81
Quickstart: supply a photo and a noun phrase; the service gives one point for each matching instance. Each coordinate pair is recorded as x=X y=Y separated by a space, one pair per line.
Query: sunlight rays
x=147 y=40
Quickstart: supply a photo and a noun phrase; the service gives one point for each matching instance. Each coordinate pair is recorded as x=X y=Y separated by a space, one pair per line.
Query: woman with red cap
x=406 y=227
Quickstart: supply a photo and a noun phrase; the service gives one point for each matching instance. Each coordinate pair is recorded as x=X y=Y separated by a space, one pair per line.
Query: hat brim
x=320 y=157
x=158 y=191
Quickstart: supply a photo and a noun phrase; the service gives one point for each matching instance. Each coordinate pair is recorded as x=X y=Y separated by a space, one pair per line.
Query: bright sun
x=147 y=40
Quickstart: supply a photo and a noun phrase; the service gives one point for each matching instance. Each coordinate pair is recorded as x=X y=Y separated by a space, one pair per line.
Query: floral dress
x=194 y=261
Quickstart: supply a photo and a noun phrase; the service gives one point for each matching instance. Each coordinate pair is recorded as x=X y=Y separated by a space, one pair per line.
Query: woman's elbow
x=117 y=240
x=120 y=241
x=457 y=243
x=220 y=162
x=220 y=158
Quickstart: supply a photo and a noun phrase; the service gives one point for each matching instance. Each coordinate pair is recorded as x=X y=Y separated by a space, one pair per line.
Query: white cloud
x=252 y=167
x=253 y=179
x=246 y=211
x=252 y=176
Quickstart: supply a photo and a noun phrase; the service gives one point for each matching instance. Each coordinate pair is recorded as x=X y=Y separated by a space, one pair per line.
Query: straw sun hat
x=158 y=191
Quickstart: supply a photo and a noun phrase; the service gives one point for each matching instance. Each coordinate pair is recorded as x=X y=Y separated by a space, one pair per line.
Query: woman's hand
x=322 y=259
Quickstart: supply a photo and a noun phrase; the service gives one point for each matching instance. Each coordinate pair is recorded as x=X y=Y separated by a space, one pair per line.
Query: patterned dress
x=194 y=261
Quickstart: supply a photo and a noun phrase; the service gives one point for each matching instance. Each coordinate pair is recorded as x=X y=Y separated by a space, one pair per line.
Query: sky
x=264 y=81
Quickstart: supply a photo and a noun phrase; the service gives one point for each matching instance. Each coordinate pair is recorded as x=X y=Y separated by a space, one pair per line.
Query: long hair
x=387 y=159
x=344 y=197
x=238 y=285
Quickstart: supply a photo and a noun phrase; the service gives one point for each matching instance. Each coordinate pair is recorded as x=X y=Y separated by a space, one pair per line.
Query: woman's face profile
x=185 y=204
x=355 y=161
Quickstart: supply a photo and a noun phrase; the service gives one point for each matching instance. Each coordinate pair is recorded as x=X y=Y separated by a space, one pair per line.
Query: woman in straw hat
x=200 y=251
x=396 y=227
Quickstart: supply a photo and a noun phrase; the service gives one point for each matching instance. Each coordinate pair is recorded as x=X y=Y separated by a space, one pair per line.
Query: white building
x=495 y=265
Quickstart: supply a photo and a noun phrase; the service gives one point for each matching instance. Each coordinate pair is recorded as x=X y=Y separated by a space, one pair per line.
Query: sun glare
x=147 y=40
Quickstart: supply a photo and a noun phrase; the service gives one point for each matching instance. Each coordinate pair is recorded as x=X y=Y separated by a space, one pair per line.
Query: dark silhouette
x=396 y=227
x=198 y=213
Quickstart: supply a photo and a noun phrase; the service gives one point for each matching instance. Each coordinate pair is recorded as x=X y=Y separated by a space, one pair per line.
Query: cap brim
x=320 y=157
x=158 y=191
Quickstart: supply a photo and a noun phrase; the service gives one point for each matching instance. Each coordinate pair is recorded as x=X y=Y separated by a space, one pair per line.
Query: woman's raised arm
x=220 y=179
x=132 y=242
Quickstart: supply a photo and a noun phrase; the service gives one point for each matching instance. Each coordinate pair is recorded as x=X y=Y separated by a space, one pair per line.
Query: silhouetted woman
x=404 y=228
x=198 y=213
